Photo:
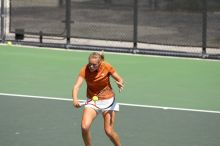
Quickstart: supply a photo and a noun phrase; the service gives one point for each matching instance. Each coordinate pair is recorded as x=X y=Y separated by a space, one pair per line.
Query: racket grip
x=82 y=104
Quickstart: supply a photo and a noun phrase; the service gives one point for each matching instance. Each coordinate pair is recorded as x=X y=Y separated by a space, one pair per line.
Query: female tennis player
x=97 y=76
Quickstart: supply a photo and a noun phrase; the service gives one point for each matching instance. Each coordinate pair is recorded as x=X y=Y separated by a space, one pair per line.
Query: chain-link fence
x=1 y=20
x=213 y=20
x=99 y=19
x=185 y=25
x=170 y=22
x=36 y=16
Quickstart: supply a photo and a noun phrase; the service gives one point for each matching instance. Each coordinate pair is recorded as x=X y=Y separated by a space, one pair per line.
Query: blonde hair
x=100 y=55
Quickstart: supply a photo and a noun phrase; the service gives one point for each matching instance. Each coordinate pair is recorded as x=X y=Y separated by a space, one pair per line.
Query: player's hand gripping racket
x=100 y=104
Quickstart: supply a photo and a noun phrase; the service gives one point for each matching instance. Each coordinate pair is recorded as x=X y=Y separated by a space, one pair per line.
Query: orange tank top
x=98 y=82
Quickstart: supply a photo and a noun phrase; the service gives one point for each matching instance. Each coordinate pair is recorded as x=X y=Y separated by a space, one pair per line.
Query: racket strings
x=101 y=104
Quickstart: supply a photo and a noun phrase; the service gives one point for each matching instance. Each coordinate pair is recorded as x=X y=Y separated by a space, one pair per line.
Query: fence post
x=204 y=28
x=60 y=3
x=135 y=25
x=68 y=21
x=2 y=21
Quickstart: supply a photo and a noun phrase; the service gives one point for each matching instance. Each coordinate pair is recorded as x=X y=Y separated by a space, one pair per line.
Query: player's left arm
x=119 y=81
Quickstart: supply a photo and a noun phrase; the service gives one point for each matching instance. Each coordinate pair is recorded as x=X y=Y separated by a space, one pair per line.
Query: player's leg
x=88 y=117
x=109 y=120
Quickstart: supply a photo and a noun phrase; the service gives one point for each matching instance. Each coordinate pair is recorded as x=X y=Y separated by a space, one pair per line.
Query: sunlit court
x=165 y=53
x=166 y=101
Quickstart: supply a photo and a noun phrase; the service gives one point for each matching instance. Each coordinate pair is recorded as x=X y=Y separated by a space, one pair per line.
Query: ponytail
x=102 y=55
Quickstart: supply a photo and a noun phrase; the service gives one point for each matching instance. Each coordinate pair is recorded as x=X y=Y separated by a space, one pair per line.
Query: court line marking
x=113 y=53
x=124 y=104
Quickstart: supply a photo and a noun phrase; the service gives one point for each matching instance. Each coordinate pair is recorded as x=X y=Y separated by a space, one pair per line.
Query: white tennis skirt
x=114 y=107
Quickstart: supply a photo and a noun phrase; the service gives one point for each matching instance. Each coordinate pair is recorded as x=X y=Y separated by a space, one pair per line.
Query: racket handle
x=82 y=104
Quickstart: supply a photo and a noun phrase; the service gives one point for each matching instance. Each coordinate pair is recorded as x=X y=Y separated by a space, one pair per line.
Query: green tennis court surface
x=154 y=81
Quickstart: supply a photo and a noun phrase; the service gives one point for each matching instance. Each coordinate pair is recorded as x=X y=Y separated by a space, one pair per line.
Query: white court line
x=124 y=104
x=117 y=53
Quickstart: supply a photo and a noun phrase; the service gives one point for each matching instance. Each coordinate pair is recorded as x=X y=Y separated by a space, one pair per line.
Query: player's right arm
x=75 y=91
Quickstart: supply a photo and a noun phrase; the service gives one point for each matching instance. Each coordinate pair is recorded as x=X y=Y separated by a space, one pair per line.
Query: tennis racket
x=100 y=104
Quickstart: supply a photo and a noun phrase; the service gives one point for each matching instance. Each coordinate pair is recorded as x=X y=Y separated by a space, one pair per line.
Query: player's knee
x=85 y=127
x=108 y=131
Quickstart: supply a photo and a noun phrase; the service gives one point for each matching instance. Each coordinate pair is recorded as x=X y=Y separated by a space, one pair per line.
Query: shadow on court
x=40 y=122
